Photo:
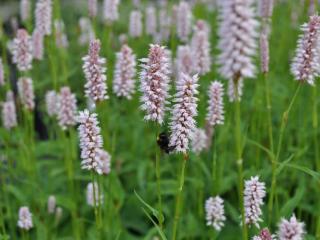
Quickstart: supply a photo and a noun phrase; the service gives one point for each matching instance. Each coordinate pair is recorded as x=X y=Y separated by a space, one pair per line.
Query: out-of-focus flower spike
x=26 y=94
x=198 y=141
x=184 y=17
x=22 y=50
x=25 y=219
x=215 y=216
x=67 y=108
x=86 y=29
x=306 y=63
x=215 y=111
x=92 y=8
x=37 y=43
x=151 y=21
x=94 y=195
x=43 y=16
x=125 y=71
x=135 y=24
x=25 y=7
x=2 y=81
x=94 y=70
x=110 y=10
x=51 y=204
x=184 y=111
x=61 y=37
x=9 y=116
x=51 y=103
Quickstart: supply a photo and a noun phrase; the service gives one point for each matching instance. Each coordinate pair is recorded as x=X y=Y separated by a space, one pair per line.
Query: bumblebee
x=163 y=142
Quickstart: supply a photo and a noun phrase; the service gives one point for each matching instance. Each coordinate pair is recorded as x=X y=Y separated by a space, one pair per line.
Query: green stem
x=95 y=202
x=179 y=197
x=268 y=105
x=239 y=159
x=282 y=129
x=158 y=176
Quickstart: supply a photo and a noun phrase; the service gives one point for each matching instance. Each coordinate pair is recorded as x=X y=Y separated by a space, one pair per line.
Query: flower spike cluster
x=238 y=35
x=25 y=218
x=94 y=70
x=43 y=15
x=94 y=195
x=184 y=111
x=306 y=63
x=9 y=115
x=215 y=213
x=110 y=10
x=200 y=46
x=199 y=140
x=125 y=71
x=184 y=17
x=37 y=44
x=26 y=94
x=291 y=229
x=91 y=141
x=154 y=79
x=254 y=193
x=67 y=108
x=22 y=50
x=215 y=112
x=135 y=25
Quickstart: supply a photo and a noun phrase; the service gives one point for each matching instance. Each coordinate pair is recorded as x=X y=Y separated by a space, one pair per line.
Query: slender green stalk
x=95 y=203
x=238 y=145
x=158 y=176
x=282 y=129
x=179 y=197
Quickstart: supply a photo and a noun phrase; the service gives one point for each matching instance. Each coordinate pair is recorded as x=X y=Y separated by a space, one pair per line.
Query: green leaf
x=154 y=211
x=162 y=235
x=268 y=151
x=293 y=202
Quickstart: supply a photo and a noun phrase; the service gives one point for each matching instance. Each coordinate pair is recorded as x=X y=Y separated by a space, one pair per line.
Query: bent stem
x=179 y=197
x=284 y=122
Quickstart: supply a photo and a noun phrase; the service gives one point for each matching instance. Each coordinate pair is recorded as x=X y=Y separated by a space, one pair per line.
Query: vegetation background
x=132 y=143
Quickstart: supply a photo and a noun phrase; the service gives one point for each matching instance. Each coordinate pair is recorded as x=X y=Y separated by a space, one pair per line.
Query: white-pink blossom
x=26 y=94
x=94 y=70
x=67 y=108
x=124 y=74
x=43 y=16
x=154 y=86
x=184 y=111
x=22 y=50
x=215 y=111
x=215 y=216
x=25 y=218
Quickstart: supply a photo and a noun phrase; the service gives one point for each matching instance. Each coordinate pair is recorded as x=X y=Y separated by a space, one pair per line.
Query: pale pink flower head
x=184 y=61
x=67 y=108
x=25 y=7
x=91 y=141
x=51 y=103
x=9 y=116
x=94 y=70
x=43 y=16
x=291 y=229
x=94 y=195
x=264 y=52
x=305 y=66
x=124 y=74
x=154 y=86
x=184 y=17
x=238 y=39
x=254 y=193
x=265 y=8
x=110 y=10
x=60 y=35
x=264 y=235
x=92 y=8
x=135 y=24
x=2 y=82
x=184 y=111
x=22 y=50
x=51 y=204
x=104 y=160
x=26 y=94
x=25 y=219
x=215 y=216
x=202 y=25
x=151 y=21
x=235 y=90
x=199 y=140
x=37 y=44
x=164 y=26
x=215 y=111
x=86 y=31
x=200 y=47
